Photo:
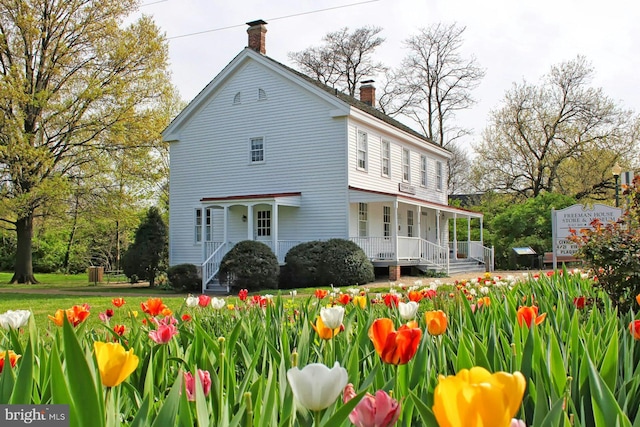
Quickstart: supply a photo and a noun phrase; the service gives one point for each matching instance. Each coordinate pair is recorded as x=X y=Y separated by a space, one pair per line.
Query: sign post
x=576 y=217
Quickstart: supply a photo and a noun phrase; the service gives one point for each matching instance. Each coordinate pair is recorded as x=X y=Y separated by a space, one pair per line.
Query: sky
x=513 y=40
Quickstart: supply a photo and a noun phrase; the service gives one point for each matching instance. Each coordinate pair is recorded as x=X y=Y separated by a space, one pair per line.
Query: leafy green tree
x=75 y=87
x=511 y=223
x=147 y=255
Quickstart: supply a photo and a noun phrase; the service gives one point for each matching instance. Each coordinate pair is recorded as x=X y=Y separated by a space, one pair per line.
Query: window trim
x=410 y=223
x=386 y=222
x=363 y=219
x=439 y=173
x=251 y=150
x=423 y=170
x=385 y=156
x=365 y=160
x=197 y=226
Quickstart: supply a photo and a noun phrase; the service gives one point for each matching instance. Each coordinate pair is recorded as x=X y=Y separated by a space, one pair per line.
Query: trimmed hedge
x=184 y=277
x=250 y=265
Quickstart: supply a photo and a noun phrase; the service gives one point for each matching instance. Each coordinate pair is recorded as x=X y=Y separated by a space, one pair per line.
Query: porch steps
x=466 y=266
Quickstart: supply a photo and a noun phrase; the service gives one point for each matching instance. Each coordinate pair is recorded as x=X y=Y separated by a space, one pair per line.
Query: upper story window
x=439 y=176
x=386 y=158
x=363 y=219
x=262 y=95
x=264 y=223
x=237 y=98
x=256 y=150
x=361 y=155
x=406 y=169
x=423 y=170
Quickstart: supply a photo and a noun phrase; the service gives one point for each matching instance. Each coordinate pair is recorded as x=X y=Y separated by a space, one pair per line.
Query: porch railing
x=409 y=248
x=211 y=265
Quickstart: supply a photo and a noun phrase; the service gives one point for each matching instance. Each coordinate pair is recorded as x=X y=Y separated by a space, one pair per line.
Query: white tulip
x=191 y=301
x=332 y=316
x=14 y=319
x=408 y=310
x=316 y=386
x=218 y=303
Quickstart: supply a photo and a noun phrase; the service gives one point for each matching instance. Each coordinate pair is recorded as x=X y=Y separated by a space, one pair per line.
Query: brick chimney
x=368 y=93
x=257 y=31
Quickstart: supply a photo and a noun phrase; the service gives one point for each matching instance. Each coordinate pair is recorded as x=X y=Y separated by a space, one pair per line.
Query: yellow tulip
x=114 y=363
x=477 y=398
x=360 y=301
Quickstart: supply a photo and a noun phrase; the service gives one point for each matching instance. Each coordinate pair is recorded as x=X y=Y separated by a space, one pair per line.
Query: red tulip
x=204 y=300
x=634 y=328
x=243 y=294
x=580 y=302
x=13 y=358
x=394 y=347
x=391 y=300
x=321 y=293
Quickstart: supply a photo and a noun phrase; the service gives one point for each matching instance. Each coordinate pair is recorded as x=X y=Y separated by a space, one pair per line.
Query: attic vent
x=262 y=95
x=236 y=99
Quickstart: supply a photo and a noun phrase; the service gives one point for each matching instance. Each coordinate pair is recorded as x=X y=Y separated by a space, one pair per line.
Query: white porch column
x=225 y=221
x=438 y=228
x=274 y=228
x=469 y=230
x=481 y=241
x=455 y=235
x=249 y=222
x=395 y=229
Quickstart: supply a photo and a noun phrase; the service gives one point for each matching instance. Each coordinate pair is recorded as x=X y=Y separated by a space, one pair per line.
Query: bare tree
x=344 y=59
x=543 y=136
x=439 y=81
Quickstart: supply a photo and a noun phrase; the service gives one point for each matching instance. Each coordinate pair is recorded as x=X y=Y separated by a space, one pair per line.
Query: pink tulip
x=190 y=383
x=164 y=333
x=380 y=410
x=204 y=300
x=517 y=423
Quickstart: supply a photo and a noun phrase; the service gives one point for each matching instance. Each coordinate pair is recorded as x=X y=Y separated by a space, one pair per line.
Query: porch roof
x=364 y=195
x=284 y=199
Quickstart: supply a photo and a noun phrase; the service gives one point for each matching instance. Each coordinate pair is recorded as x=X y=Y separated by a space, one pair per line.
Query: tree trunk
x=23 y=268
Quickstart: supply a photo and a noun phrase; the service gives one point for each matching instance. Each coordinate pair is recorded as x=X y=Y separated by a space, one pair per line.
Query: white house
x=266 y=153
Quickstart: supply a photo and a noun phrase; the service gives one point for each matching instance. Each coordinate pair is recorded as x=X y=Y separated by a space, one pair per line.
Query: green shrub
x=302 y=263
x=613 y=252
x=184 y=277
x=250 y=265
x=344 y=263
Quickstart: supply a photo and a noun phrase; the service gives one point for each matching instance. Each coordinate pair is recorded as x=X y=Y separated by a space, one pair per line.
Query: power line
x=272 y=19
x=155 y=2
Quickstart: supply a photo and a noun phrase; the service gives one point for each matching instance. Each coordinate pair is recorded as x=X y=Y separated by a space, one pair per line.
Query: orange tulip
x=118 y=302
x=324 y=332
x=153 y=306
x=13 y=358
x=321 y=293
x=395 y=347
x=529 y=315
x=634 y=328
x=484 y=301
x=344 y=299
x=638 y=298
x=415 y=296
x=436 y=322
x=76 y=315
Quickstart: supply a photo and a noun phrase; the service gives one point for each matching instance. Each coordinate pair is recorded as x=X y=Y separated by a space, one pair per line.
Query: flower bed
x=547 y=351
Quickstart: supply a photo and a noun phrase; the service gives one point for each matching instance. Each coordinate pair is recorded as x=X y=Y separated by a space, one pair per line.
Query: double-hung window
x=361 y=155
x=406 y=169
x=409 y=223
x=363 y=219
x=439 y=176
x=423 y=170
x=386 y=158
x=197 y=229
x=256 y=150
x=264 y=223
x=386 y=220
x=199 y=222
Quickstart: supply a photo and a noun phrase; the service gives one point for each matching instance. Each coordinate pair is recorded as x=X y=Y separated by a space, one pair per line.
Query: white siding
x=304 y=152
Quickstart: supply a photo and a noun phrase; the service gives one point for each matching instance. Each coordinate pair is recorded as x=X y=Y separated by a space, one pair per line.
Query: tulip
x=204 y=300
x=475 y=397
x=380 y=410
x=394 y=347
x=517 y=423
x=321 y=293
x=415 y=296
x=344 y=299
x=118 y=302
x=408 y=310
x=119 y=329
x=191 y=301
x=190 y=383
x=186 y=317
x=242 y=294
x=391 y=300
x=332 y=316
x=436 y=322
x=164 y=332
x=638 y=298
x=14 y=319
x=316 y=386
x=634 y=328
x=324 y=332
x=153 y=306
x=114 y=363
x=218 y=303
x=13 y=358
x=360 y=301
x=580 y=302
x=76 y=315
x=529 y=315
